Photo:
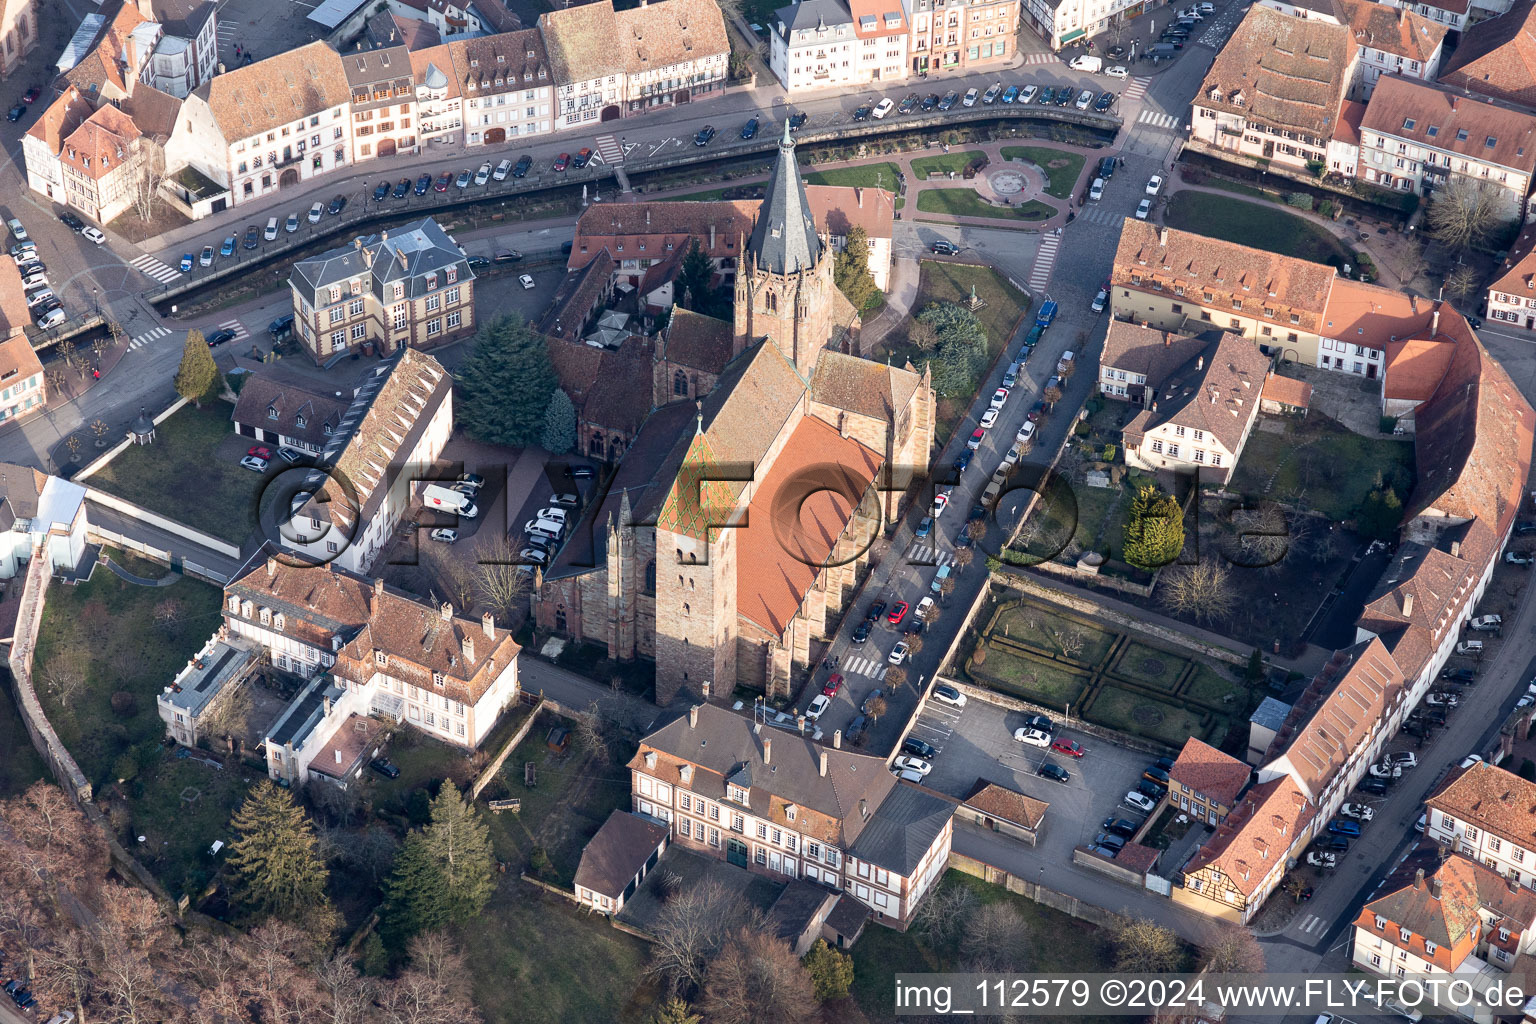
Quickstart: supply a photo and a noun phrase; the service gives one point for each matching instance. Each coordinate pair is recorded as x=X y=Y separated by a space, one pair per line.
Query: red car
x=31 y=96
x=897 y=613
x=833 y=684
x=976 y=438
x=562 y=162
x=442 y=183
x=259 y=452
x=1069 y=747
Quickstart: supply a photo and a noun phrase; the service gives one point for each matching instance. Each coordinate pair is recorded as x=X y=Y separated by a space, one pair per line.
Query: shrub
x=1326 y=208
x=1300 y=200
x=1109 y=453
x=124 y=704
x=980 y=656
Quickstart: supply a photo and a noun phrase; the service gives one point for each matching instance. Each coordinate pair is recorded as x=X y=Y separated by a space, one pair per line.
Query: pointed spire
x=626 y=515
x=784 y=239
x=699 y=415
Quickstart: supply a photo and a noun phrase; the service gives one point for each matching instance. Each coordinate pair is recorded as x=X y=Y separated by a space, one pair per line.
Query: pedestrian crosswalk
x=1157 y=120
x=874 y=668
x=239 y=328
x=924 y=552
x=1045 y=262
x=153 y=268
x=609 y=149
x=140 y=340
x=1311 y=924
x=1042 y=58
x=1135 y=90
x=1100 y=215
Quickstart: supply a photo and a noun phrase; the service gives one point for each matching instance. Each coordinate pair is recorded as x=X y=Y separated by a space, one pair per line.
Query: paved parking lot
x=977 y=743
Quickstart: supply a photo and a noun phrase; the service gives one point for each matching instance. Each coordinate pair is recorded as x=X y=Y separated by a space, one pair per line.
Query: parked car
x=797 y=120
x=897 y=613
x=1033 y=737
x=898 y=653
x=861 y=632
x=219 y=337
x=384 y=768
x=206 y=257
x=316 y=212
x=523 y=165
x=906 y=762
x=423 y=183
x=945 y=693
x=990 y=96
x=942 y=247
x=1385 y=771
x=1156 y=775
x=338 y=203
x=977 y=436
x=526 y=280
x=1486 y=623
x=1071 y=748
x=1404 y=759
x=1029 y=94
x=1376 y=787
x=1344 y=827
x=1141 y=802
x=1339 y=844
x=1320 y=859
x=704 y=135
x=1448 y=700
x=254 y=464
x=918 y=748
x=1361 y=811
x=463 y=180
x=380 y=191
x=228 y=248
x=252 y=236
x=949 y=100
x=1119 y=826
x=818 y=707
x=1051 y=770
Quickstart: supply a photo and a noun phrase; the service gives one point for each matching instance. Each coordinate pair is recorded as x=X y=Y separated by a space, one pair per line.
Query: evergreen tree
x=504 y=387
x=850 y=271
x=675 y=1011
x=275 y=858
x=444 y=872
x=831 y=971
x=1380 y=515
x=695 y=289
x=960 y=349
x=197 y=373
x=559 y=424
x=1154 y=530
x=1255 y=670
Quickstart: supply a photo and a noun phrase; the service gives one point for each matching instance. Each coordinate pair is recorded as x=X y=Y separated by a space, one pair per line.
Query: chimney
x=338 y=757
x=858 y=197
x=647 y=216
x=1455 y=549
x=1453 y=102
x=767 y=751
x=469 y=648
x=326 y=703
x=711 y=238
x=488 y=626
x=272 y=567
x=1435 y=886
x=837 y=739
x=1434 y=323
x=1162 y=238
x=1407 y=605
x=800 y=724
x=823 y=763
x=1418 y=879
x=693 y=717
x=1167 y=340
x=446 y=610
x=1514 y=883
x=705 y=687
x=1154 y=407
x=1200 y=362
x=378 y=586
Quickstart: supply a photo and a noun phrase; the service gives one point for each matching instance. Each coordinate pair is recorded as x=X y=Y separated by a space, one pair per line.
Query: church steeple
x=784 y=239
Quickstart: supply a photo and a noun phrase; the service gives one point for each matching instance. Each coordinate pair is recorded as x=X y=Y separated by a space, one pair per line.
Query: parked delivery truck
x=449 y=500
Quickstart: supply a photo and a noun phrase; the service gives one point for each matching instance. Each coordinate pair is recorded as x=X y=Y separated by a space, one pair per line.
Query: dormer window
x=380 y=658
x=271 y=412
x=1381 y=923
x=1430 y=947
x=278 y=620
x=790 y=810
x=437 y=680
x=298 y=422
x=266 y=616
x=736 y=794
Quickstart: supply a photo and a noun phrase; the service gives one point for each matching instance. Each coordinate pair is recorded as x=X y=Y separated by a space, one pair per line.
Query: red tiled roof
x=103 y=143
x=1493 y=799
x=1406 y=108
x=1207 y=770
x=1001 y=802
x=1415 y=367
x=1257 y=836
x=1450 y=913
x=1287 y=391
x=1497 y=57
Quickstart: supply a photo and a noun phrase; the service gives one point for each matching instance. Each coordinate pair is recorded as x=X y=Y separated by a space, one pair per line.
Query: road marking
x=1042 y=58
x=661 y=146
x=1156 y=120
x=924 y=553
x=235 y=325
x=1101 y=215
x=872 y=667
x=140 y=340
x=1045 y=261
x=608 y=148
x=154 y=269
x=1136 y=90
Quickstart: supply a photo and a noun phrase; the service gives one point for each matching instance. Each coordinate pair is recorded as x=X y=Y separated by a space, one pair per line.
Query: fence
x=160 y=522
x=506 y=749
x=107 y=456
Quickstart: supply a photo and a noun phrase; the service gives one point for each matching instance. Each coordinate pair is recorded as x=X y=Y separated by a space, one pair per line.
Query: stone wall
x=1069 y=905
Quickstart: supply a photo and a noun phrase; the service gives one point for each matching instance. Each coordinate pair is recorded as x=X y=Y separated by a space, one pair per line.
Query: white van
x=271 y=232
x=1087 y=62
x=447 y=499
x=1096 y=190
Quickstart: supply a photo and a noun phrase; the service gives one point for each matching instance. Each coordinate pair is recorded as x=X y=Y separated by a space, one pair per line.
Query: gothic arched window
x=560 y=618
x=680 y=384
x=772 y=302
x=650 y=577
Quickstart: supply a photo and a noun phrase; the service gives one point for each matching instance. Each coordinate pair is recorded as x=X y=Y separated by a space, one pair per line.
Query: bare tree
x=914 y=644
x=1143 y=946
x=456 y=578
x=55 y=378
x=976 y=529
x=1069 y=642
x=1234 y=951
x=1461 y=281
x=964 y=556
x=896 y=678
x=1202 y=591
x=946 y=587
x=589 y=729
x=922 y=334
x=943 y=914
x=168 y=613
x=501 y=581
x=345 y=996
x=757 y=979
x=1051 y=395
x=102 y=342
x=996 y=939
x=146 y=184
x=1263 y=536
x=1467 y=212
x=65 y=675
x=690 y=929
x=1295 y=886
x=101 y=430
x=231 y=715
x=875 y=707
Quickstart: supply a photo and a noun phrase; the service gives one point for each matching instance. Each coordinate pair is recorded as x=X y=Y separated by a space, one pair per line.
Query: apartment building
x=403 y=416
x=23 y=388
x=187 y=52
x=18 y=33
x=506 y=86
x=1417 y=137
x=104 y=164
x=1455 y=919
x=383 y=102
x=1492 y=58
x=439 y=96
x=42 y=147
x=776 y=803
x=1274 y=90
x=1232 y=875
x=1450 y=13
x=280 y=408
x=587 y=60
x=267 y=126
x=948 y=35
x=675 y=51
x=813 y=45
x=1206 y=782
x=388 y=291
x=1512 y=295
x=882 y=32
x=1393 y=41
x=1488 y=815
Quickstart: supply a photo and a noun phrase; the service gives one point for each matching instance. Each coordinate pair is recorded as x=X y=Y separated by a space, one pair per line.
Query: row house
x=403 y=413
x=18 y=33
x=187 y=52
x=23 y=387
x=880 y=54
x=1273 y=92
x=588 y=64
x=383 y=102
x=1390 y=41
x=1455 y=920
x=439 y=96
x=1417 y=137
x=42 y=147
x=506 y=86
x=1450 y=13
x=813 y=45
x=1232 y=875
x=1512 y=295
x=104 y=164
x=776 y=803
x=949 y=35
x=675 y=51
x=268 y=125
x=1488 y=815
x=1065 y=22
x=410 y=289
x=1205 y=783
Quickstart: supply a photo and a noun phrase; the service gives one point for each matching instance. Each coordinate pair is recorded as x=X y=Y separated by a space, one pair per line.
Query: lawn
x=1141 y=715
x=180 y=476
x=944 y=163
x=111 y=633
x=21 y=766
x=1002 y=306
x=880 y=175
x=1032 y=678
x=1264 y=226
x=181 y=806
x=1094 y=505
x=1150 y=665
x=1061 y=168
x=1057 y=943
x=1039 y=627
x=534 y=958
x=1212 y=687
x=1330 y=465
x=966 y=202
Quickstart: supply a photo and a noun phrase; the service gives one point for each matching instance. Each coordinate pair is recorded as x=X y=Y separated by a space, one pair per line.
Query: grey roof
x=813 y=14
x=375 y=67
x=205 y=677
x=1270 y=714
x=408 y=254
x=615 y=855
x=903 y=829
x=293 y=398
x=784 y=238
x=801 y=905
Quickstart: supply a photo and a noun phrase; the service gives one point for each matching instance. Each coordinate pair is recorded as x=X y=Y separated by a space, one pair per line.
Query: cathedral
x=736 y=529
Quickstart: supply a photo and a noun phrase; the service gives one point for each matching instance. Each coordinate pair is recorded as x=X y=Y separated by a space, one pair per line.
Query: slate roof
x=1270 y=714
x=291 y=397
x=296 y=83
x=698 y=341
x=1009 y=805
x=1146 y=350
x=797 y=908
x=666 y=32
x=784 y=239
x=615 y=855
x=1207 y=770
x=374 y=74
x=1497 y=57
x=809 y=15
x=1216 y=391
x=583 y=42
x=405 y=255
x=1440 y=119
x=117 y=50
x=184 y=18
x=1282 y=71
x=903 y=830
x=863 y=386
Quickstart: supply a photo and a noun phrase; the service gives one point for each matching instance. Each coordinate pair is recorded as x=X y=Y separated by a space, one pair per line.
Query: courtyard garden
x=184 y=476
x=1106 y=675
x=1323 y=464
x=945 y=163
x=877 y=175
x=967 y=202
x=1258 y=224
